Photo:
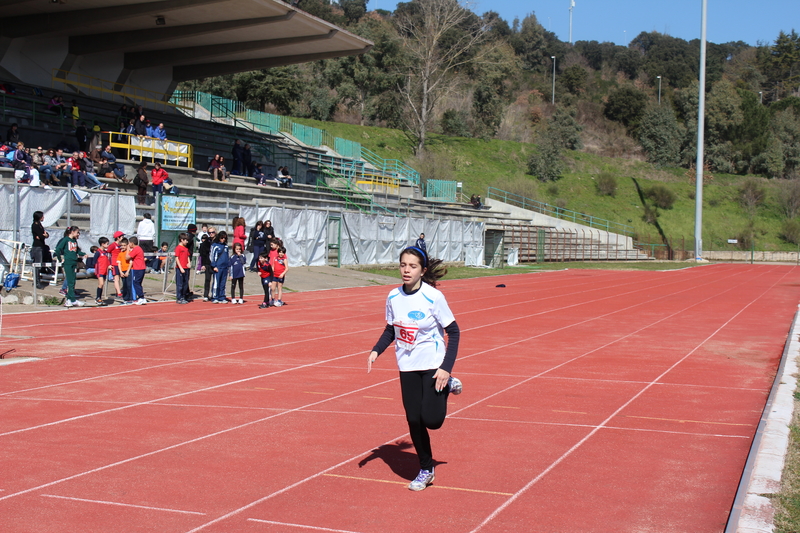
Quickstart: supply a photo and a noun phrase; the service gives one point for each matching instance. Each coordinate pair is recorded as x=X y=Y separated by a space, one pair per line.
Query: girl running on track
x=417 y=316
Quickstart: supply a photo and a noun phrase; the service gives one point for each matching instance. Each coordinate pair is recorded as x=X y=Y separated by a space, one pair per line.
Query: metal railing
x=151 y=149
x=111 y=90
x=441 y=190
x=559 y=212
x=342 y=187
x=234 y=112
x=391 y=166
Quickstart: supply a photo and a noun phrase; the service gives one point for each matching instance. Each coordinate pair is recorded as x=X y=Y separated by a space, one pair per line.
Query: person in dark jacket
x=205 y=258
x=141 y=181
x=141 y=126
x=39 y=245
x=12 y=135
x=220 y=263
x=247 y=160
x=237 y=152
x=82 y=135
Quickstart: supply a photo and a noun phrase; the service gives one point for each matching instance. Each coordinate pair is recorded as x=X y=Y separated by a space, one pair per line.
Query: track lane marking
x=103 y=502
x=353 y=458
x=405 y=484
x=577 y=445
x=680 y=421
x=301 y=526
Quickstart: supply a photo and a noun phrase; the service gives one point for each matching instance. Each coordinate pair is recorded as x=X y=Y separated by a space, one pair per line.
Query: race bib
x=405 y=333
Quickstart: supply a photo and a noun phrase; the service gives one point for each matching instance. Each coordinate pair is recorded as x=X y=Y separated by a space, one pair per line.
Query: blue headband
x=420 y=250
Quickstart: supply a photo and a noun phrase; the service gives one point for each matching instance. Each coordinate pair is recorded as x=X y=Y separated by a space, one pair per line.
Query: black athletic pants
x=240 y=283
x=209 y=276
x=425 y=409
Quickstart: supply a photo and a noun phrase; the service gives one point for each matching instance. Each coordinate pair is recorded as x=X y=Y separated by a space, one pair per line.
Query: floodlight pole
x=553 y=100
x=571 y=5
x=701 y=116
x=659 y=89
x=760 y=97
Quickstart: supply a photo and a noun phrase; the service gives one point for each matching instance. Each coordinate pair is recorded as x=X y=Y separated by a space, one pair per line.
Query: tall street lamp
x=554 y=80
x=760 y=97
x=659 y=89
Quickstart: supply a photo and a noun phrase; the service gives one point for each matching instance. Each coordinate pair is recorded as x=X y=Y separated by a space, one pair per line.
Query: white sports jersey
x=419 y=320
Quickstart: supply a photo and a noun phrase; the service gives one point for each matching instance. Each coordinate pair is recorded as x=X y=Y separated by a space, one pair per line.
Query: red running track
x=594 y=401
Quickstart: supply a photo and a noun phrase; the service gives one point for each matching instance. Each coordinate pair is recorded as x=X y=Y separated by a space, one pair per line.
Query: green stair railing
x=393 y=167
x=343 y=188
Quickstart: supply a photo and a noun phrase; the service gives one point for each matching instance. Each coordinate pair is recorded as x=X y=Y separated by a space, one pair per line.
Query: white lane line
x=181 y=444
x=301 y=526
x=179 y=395
x=121 y=504
x=79 y=417
x=580 y=443
x=305 y=340
x=353 y=458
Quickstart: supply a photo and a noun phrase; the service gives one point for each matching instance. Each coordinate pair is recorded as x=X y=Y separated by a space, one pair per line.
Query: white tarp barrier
x=103 y=220
x=513 y=257
x=366 y=239
x=473 y=256
x=53 y=203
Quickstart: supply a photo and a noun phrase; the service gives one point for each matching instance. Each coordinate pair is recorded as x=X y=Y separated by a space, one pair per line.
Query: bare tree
x=438 y=36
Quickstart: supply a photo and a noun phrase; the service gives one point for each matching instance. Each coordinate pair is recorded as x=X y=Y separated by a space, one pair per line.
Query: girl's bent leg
x=425 y=409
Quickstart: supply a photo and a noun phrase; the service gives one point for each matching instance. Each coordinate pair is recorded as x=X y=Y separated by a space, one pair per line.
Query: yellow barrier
x=373 y=181
x=151 y=149
x=73 y=80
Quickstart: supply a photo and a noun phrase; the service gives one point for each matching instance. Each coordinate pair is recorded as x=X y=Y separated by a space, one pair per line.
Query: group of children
x=272 y=266
x=123 y=263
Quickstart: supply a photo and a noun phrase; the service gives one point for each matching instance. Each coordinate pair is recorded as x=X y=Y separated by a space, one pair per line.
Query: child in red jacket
x=158 y=176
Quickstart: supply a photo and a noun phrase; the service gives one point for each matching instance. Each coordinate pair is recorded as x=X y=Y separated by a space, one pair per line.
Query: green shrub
x=606 y=184
x=751 y=195
x=790 y=232
x=661 y=196
x=454 y=123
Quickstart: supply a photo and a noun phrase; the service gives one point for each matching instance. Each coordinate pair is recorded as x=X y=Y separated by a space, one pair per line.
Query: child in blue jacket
x=238 y=261
x=220 y=262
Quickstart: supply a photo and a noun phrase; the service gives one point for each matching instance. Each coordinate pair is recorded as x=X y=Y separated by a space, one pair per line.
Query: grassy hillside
x=503 y=164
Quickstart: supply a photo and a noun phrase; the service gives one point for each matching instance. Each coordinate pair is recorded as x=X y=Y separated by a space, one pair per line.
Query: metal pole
x=571 y=5
x=659 y=89
x=760 y=97
x=16 y=209
x=553 y=99
x=69 y=203
x=701 y=116
x=116 y=211
x=227 y=212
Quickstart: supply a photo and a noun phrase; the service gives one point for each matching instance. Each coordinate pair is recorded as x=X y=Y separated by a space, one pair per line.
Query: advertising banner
x=177 y=212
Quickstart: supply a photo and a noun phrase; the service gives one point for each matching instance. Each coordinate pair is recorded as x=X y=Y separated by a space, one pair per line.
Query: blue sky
x=619 y=21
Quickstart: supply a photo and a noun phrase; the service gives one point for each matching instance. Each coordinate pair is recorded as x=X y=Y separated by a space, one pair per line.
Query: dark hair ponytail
x=435 y=267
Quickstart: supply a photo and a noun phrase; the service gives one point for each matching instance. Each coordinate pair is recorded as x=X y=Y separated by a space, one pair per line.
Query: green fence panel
x=441 y=190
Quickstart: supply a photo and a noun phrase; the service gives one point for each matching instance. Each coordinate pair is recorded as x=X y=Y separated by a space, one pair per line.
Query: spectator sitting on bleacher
x=160 y=132
x=91 y=173
x=247 y=160
x=56 y=105
x=23 y=169
x=213 y=167
x=47 y=170
x=37 y=159
x=12 y=135
x=223 y=170
x=76 y=169
x=116 y=168
x=237 y=152
x=258 y=174
x=61 y=168
x=283 y=178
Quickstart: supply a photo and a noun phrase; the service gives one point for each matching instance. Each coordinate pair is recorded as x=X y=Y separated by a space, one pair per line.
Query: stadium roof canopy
x=156 y=44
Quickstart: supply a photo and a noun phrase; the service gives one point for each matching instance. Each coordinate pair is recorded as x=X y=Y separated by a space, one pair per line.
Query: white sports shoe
x=455 y=385
x=68 y=303
x=424 y=478
x=141 y=301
